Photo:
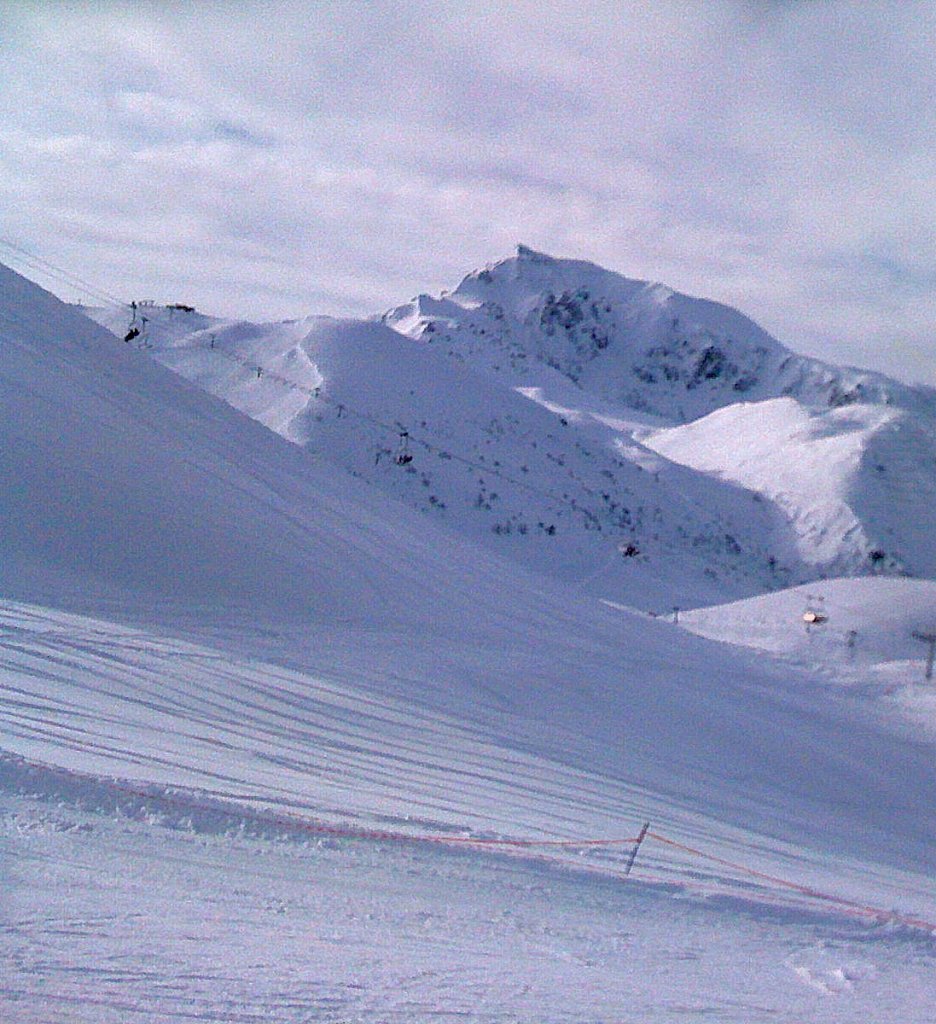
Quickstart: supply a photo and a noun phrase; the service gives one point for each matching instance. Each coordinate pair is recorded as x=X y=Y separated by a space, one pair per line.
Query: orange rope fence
x=294 y=823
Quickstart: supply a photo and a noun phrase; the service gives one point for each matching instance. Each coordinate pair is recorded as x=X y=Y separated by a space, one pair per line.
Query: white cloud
x=310 y=157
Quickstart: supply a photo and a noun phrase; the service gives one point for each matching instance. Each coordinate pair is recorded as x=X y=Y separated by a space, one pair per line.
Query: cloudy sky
x=276 y=159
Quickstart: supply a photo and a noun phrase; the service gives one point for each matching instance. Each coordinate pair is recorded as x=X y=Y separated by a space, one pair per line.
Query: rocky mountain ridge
x=632 y=342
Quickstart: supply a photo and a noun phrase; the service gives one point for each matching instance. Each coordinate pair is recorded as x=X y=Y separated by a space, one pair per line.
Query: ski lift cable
x=33 y=265
x=422 y=442
x=29 y=265
x=63 y=275
x=60 y=274
x=429 y=446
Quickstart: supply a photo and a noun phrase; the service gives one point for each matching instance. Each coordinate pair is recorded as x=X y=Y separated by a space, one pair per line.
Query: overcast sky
x=277 y=159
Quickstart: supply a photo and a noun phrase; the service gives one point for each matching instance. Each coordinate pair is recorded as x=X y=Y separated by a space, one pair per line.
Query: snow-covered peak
x=524 y=252
x=514 y=281
x=632 y=342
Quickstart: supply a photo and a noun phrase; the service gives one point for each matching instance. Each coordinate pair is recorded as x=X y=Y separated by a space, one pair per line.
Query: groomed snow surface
x=268 y=731
x=110 y=919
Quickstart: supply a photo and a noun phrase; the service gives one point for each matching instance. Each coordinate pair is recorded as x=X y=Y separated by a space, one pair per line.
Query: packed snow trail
x=109 y=700
x=108 y=920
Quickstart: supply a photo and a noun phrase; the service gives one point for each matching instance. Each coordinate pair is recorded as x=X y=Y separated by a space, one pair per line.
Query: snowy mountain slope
x=125 y=483
x=120 y=473
x=883 y=614
x=869 y=640
x=537 y=734
x=637 y=344
x=107 y=918
x=857 y=484
x=264 y=629
x=813 y=439
x=576 y=493
x=557 y=489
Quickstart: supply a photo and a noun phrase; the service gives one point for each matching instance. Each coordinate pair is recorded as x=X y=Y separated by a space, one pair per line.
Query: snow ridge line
x=293 y=822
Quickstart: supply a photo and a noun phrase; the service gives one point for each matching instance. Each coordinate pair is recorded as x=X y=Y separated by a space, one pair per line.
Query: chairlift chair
x=403 y=456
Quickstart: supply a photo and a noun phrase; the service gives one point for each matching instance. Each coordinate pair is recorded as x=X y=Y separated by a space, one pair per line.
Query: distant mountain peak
x=629 y=341
x=452 y=377
x=528 y=255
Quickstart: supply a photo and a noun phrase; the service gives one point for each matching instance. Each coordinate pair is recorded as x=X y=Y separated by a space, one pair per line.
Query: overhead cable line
x=59 y=274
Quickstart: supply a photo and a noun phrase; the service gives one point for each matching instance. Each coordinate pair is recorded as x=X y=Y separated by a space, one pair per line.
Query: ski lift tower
x=928 y=638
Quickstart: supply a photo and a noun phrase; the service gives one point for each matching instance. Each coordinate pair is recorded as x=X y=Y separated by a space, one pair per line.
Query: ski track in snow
x=152 y=711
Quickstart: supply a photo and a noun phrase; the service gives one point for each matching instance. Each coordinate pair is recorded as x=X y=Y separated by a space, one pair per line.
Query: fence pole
x=633 y=854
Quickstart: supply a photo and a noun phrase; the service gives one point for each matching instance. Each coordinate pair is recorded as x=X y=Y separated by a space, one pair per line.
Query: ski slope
x=208 y=630
x=869 y=641
x=153 y=923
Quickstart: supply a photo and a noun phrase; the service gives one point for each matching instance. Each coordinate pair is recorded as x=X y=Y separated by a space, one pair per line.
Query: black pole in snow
x=633 y=856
